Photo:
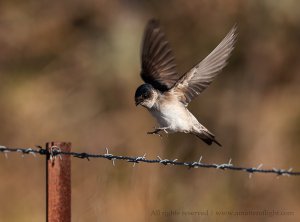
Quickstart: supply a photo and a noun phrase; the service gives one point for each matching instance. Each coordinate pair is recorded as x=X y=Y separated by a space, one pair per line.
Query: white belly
x=175 y=117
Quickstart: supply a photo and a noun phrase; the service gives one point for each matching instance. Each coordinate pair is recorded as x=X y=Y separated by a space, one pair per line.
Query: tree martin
x=166 y=95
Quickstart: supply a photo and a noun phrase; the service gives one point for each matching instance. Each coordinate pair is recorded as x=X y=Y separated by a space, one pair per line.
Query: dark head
x=145 y=95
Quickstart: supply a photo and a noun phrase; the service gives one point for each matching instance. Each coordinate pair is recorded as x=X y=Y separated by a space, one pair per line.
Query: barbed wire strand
x=56 y=152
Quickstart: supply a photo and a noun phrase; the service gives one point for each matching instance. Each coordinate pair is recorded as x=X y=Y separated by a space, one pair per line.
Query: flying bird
x=165 y=94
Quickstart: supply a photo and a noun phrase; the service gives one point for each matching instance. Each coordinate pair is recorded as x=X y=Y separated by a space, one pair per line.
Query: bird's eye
x=146 y=95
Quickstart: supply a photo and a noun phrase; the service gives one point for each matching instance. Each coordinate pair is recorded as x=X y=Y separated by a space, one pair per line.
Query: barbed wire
x=56 y=152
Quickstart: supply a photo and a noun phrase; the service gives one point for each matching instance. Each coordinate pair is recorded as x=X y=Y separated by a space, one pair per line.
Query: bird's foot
x=157 y=130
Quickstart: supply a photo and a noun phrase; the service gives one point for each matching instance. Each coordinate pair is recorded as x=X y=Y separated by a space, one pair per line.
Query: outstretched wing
x=158 y=65
x=198 y=78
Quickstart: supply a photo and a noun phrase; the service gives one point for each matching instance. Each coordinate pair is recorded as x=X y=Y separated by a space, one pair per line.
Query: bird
x=165 y=94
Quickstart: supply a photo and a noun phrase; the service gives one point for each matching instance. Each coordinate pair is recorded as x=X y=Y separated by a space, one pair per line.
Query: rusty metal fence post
x=58 y=184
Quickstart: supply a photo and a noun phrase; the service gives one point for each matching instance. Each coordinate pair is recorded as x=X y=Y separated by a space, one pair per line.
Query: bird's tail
x=208 y=138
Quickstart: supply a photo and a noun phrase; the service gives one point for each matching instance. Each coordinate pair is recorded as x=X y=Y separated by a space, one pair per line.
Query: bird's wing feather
x=158 y=64
x=199 y=78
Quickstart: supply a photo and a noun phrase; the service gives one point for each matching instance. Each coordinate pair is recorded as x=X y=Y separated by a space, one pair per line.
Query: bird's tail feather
x=208 y=138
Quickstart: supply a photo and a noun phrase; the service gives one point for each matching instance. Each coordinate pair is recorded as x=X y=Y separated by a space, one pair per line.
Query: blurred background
x=69 y=70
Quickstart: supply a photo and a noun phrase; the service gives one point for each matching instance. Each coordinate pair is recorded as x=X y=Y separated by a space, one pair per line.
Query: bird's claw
x=157 y=130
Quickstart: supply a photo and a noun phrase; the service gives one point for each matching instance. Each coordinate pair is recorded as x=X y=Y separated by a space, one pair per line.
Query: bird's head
x=145 y=95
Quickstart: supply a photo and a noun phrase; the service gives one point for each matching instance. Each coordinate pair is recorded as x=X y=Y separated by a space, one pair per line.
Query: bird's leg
x=164 y=129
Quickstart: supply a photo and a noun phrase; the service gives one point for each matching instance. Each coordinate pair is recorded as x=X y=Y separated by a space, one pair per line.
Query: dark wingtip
x=153 y=22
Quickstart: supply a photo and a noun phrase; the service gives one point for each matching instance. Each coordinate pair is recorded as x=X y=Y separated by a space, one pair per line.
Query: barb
x=135 y=160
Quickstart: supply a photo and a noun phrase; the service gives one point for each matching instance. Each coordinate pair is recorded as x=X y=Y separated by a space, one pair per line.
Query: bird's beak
x=138 y=101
